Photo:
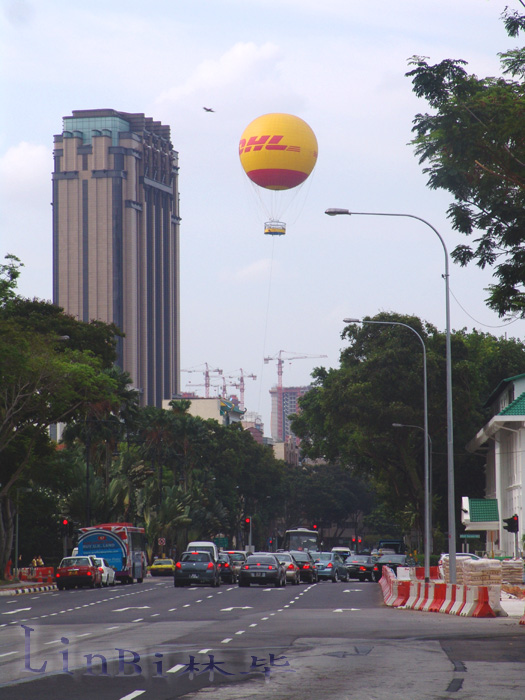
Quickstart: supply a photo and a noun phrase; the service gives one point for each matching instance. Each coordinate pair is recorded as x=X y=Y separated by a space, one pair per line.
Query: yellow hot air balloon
x=278 y=152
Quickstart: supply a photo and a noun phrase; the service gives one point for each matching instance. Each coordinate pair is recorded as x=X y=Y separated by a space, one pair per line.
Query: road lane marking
x=139 y=619
x=240 y=632
x=236 y=607
x=13 y=612
x=134 y=607
x=134 y=694
x=176 y=668
x=8 y=653
x=204 y=651
x=225 y=641
x=340 y=610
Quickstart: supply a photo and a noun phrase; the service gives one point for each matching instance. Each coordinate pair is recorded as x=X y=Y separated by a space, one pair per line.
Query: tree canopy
x=472 y=145
x=347 y=417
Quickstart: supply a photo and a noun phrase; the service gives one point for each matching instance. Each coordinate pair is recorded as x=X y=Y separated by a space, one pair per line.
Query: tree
x=44 y=379
x=347 y=417
x=474 y=148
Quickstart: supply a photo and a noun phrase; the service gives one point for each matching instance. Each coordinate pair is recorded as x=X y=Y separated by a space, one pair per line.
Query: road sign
x=161 y=541
x=470 y=536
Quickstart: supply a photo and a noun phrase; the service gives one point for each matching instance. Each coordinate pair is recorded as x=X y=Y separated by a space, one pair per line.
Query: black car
x=307 y=565
x=360 y=566
x=262 y=568
x=393 y=561
x=228 y=572
x=196 y=567
x=329 y=565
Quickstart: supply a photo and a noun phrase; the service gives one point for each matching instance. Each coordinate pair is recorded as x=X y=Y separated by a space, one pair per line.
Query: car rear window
x=196 y=556
x=260 y=560
x=76 y=561
x=236 y=557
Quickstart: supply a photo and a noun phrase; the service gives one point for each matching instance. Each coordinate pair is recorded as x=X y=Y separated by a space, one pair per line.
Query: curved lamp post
x=450 y=438
x=426 y=538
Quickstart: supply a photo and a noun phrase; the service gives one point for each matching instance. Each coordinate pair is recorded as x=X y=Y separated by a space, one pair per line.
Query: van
x=204 y=546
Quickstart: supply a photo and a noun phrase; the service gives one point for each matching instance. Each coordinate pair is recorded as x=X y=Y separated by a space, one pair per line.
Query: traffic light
x=247 y=523
x=511 y=524
x=314 y=527
x=65 y=527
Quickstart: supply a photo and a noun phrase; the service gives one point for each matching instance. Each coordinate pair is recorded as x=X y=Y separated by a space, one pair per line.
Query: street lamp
x=426 y=538
x=24 y=489
x=450 y=438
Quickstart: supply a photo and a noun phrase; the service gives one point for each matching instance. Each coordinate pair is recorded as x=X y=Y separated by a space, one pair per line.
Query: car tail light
x=362 y=568
x=210 y=565
x=246 y=566
x=306 y=566
x=330 y=565
x=178 y=565
x=290 y=566
x=89 y=573
x=101 y=569
x=270 y=566
x=225 y=564
x=58 y=575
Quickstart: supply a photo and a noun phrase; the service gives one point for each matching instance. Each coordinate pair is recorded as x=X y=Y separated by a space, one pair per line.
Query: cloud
x=232 y=68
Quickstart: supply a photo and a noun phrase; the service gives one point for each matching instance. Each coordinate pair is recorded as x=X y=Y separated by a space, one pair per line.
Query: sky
x=340 y=65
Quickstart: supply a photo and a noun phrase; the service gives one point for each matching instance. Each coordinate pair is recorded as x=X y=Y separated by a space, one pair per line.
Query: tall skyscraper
x=116 y=239
x=284 y=403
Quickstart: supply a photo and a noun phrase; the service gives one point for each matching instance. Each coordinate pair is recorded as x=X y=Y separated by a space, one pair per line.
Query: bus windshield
x=301 y=539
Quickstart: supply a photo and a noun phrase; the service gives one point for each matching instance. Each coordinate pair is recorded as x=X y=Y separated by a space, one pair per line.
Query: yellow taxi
x=162 y=567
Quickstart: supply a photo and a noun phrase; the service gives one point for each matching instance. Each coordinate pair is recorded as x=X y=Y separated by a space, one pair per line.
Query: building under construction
x=284 y=403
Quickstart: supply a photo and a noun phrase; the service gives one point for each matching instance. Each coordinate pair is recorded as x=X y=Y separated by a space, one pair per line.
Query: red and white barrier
x=452 y=599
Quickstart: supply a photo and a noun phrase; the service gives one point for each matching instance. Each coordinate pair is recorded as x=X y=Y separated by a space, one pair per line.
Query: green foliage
x=347 y=417
x=473 y=147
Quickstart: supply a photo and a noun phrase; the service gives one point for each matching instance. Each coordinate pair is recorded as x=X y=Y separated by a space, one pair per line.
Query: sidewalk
x=514 y=607
x=20 y=587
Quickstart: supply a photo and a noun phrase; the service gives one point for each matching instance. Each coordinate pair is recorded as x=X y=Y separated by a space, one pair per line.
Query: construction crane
x=206 y=373
x=280 y=362
x=240 y=384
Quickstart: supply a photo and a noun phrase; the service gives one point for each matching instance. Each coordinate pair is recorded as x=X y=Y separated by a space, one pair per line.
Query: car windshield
x=358 y=559
x=196 y=556
x=161 y=562
x=76 y=561
x=285 y=557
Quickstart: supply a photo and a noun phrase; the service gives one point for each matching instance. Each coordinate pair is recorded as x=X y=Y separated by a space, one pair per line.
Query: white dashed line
x=134 y=694
x=225 y=641
x=176 y=668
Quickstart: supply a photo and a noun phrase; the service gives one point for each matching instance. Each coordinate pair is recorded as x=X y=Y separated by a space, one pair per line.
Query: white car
x=108 y=573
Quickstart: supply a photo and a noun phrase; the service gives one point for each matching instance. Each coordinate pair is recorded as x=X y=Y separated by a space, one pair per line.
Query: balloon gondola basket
x=274 y=228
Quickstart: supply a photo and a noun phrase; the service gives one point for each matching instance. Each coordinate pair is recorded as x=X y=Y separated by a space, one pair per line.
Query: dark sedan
x=330 y=566
x=196 y=567
x=306 y=566
x=228 y=573
x=393 y=561
x=360 y=566
x=262 y=569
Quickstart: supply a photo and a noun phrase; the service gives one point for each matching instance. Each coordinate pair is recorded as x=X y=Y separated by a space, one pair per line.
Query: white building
x=502 y=440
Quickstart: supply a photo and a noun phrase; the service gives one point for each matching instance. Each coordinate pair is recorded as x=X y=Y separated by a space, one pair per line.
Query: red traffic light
x=247 y=520
x=314 y=527
x=65 y=521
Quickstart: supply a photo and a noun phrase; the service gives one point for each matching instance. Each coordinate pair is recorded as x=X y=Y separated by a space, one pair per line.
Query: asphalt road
x=331 y=641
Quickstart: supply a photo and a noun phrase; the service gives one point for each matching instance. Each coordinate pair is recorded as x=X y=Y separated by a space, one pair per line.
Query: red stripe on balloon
x=277 y=178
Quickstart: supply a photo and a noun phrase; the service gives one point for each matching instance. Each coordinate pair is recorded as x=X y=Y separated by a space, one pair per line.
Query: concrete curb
x=20 y=590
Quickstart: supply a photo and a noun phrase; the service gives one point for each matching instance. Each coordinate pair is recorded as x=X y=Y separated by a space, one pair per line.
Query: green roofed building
x=502 y=442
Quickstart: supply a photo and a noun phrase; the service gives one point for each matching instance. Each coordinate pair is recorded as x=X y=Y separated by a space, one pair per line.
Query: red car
x=78 y=571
